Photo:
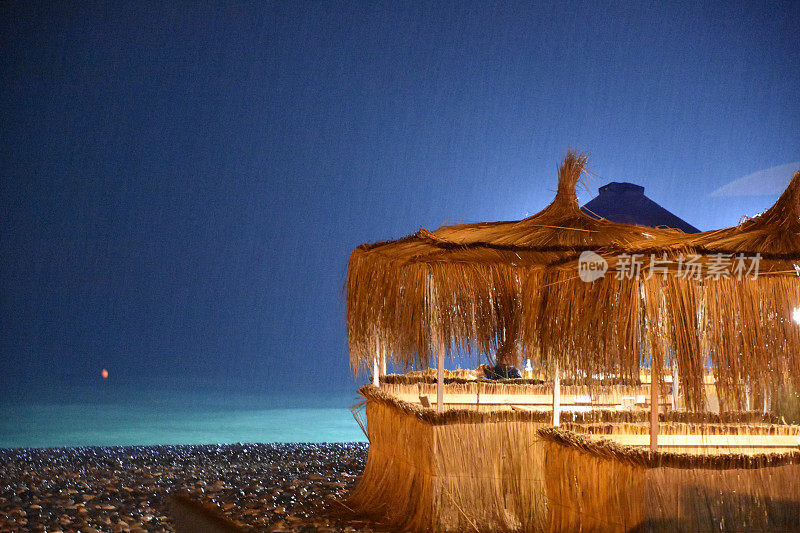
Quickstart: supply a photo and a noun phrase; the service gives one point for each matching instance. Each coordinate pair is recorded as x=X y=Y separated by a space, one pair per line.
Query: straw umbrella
x=475 y=286
x=744 y=313
x=468 y=287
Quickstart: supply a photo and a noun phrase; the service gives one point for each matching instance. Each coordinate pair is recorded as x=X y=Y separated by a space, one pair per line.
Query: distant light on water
x=104 y=373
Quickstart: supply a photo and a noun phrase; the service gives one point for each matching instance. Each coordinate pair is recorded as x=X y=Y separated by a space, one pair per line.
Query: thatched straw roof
x=472 y=287
x=561 y=226
x=774 y=235
x=464 y=282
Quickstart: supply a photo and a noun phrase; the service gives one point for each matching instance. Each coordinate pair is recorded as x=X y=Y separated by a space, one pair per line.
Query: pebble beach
x=260 y=487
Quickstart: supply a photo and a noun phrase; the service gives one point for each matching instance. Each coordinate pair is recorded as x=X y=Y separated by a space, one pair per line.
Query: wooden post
x=431 y=295
x=556 y=396
x=654 y=381
x=747 y=397
x=475 y=337
x=376 y=361
x=646 y=338
x=440 y=380
x=766 y=400
x=674 y=385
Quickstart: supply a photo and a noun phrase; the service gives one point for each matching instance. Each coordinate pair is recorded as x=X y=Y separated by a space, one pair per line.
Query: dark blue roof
x=626 y=203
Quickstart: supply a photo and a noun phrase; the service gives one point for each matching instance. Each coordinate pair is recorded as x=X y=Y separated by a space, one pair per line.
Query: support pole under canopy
x=675 y=391
x=440 y=380
x=556 y=396
x=654 y=385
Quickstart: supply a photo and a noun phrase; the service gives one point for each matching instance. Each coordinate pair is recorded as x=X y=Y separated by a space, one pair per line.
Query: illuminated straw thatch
x=490 y=287
x=463 y=470
x=596 y=485
x=483 y=277
x=470 y=286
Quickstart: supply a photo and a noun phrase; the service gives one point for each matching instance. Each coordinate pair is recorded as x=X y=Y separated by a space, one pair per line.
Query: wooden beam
x=439 y=343
x=544 y=400
x=654 y=385
x=440 y=379
x=675 y=390
x=376 y=360
x=556 y=396
x=715 y=441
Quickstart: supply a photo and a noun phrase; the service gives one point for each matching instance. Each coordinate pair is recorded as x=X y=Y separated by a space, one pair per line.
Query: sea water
x=176 y=417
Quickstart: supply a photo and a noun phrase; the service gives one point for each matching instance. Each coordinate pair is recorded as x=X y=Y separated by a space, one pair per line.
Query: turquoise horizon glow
x=179 y=419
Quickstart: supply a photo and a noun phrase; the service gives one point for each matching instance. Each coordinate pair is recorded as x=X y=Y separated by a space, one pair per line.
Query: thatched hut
x=739 y=320
x=469 y=287
x=477 y=459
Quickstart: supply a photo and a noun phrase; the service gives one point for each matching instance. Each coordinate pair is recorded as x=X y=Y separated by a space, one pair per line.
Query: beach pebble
x=269 y=487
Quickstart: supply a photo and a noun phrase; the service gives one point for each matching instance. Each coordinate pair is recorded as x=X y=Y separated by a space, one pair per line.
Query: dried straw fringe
x=469 y=416
x=489 y=281
x=576 y=435
x=470 y=471
x=595 y=485
x=450 y=477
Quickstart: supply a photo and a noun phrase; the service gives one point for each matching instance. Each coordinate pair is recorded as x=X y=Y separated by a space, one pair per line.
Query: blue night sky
x=182 y=184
